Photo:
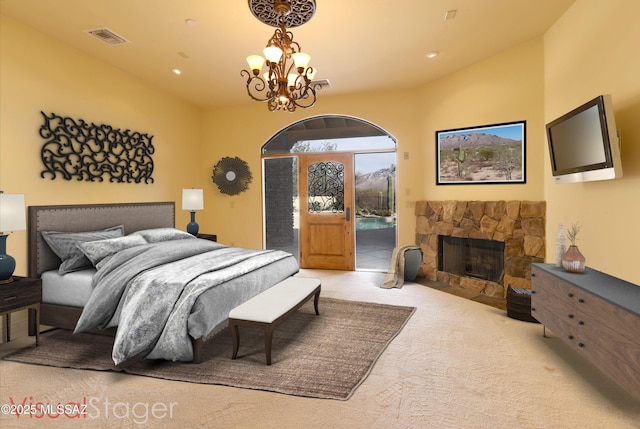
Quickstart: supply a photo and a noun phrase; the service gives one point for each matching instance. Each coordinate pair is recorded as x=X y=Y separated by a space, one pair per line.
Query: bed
x=65 y=296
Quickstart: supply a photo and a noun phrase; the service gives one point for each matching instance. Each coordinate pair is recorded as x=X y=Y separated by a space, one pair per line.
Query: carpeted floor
x=456 y=364
x=325 y=356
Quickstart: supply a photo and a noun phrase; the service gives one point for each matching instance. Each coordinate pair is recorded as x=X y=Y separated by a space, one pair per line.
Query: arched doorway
x=329 y=193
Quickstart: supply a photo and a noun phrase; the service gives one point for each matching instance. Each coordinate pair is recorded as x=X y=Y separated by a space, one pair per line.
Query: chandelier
x=288 y=80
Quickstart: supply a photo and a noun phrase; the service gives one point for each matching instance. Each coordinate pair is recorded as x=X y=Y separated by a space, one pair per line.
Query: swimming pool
x=374 y=223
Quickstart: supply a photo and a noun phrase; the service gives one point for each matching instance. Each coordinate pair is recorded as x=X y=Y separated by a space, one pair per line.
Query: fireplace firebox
x=471 y=257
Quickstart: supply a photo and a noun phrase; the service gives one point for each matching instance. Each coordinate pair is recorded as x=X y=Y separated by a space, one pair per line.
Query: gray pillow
x=96 y=251
x=65 y=245
x=157 y=235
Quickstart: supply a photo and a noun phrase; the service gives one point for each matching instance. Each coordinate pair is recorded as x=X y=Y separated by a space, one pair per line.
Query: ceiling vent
x=322 y=82
x=107 y=36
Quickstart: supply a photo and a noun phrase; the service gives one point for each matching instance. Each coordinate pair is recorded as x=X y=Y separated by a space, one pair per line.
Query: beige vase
x=573 y=261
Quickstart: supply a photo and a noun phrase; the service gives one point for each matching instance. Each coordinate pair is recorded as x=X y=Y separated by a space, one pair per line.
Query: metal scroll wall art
x=86 y=151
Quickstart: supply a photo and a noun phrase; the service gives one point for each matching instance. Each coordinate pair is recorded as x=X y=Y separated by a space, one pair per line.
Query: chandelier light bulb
x=284 y=100
x=255 y=63
x=301 y=60
x=291 y=79
x=272 y=53
x=311 y=72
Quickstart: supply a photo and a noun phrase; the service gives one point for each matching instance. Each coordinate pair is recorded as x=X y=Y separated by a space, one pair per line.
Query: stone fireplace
x=471 y=257
x=482 y=246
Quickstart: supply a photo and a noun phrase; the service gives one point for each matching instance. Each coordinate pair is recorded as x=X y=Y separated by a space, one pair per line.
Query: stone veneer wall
x=519 y=224
x=278 y=200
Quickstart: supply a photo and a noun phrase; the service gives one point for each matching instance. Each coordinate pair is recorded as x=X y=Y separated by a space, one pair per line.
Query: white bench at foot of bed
x=267 y=309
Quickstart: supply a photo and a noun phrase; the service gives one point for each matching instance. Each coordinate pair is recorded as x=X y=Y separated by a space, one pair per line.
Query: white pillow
x=98 y=250
x=65 y=245
x=157 y=235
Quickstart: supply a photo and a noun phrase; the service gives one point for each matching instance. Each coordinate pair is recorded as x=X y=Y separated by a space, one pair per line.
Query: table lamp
x=192 y=200
x=12 y=218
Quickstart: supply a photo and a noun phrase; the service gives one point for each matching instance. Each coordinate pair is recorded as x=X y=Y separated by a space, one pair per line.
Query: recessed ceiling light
x=190 y=22
x=432 y=54
x=176 y=71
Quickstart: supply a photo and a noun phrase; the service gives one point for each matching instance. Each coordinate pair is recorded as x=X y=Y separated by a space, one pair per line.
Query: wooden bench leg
x=315 y=302
x=268 y=340
x=235 y=335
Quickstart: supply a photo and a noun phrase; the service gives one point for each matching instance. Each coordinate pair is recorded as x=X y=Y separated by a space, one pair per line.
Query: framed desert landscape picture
x=481 y=155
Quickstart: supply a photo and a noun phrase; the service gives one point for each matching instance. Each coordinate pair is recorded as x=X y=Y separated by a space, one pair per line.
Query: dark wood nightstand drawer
x=212 y=237
x=20 y=293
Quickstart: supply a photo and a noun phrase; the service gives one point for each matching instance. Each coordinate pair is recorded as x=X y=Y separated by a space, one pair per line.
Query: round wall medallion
x=232 y=175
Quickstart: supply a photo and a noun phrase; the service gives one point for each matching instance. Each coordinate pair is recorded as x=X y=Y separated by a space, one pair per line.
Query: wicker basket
x=519 y=304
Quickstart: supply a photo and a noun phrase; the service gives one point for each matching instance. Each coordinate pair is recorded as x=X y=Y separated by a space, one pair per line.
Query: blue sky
x=512 y=131
x=369 y=162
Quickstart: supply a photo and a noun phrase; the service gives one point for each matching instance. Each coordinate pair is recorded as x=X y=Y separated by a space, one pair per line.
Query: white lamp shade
x=12 y=212
x=255 y=62
x=311 y=73
x=272 y=53
x=192 y=199
x=301 y=59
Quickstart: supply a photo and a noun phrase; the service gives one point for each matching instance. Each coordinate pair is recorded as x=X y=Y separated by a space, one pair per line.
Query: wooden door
x=326 y=211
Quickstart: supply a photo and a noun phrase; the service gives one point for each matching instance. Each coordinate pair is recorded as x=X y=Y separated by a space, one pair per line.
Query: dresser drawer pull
x=10 y=298
x=580 y=344
x=570 y=295
x=581 y=300
x=580 y=322
x=570 y=337
x=570 y=316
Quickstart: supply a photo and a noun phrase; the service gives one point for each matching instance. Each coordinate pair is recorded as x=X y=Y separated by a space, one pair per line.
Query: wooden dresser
x=596 y=314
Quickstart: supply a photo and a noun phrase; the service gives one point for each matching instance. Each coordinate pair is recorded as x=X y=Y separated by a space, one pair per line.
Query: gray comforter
x=148 y=292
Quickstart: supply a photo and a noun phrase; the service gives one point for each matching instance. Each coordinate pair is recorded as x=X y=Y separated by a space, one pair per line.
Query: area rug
x=326 y=356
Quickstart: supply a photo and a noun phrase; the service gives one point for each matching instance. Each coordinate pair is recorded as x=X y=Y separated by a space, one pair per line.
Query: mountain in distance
x=454 y=141
x=375 y=180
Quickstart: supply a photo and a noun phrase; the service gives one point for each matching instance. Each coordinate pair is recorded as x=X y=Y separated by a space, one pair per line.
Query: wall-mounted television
x=584 y=144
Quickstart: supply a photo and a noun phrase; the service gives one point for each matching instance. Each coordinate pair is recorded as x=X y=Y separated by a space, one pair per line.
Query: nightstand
x=212 y=237
x=21 y=294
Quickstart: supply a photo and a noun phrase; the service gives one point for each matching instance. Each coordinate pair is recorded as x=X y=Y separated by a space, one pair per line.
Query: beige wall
x=593 y=50
x=504 y=88
x=38 y=74
x=243 y=130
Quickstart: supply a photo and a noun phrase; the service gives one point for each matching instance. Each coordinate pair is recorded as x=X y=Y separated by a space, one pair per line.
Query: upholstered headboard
x=89 y=217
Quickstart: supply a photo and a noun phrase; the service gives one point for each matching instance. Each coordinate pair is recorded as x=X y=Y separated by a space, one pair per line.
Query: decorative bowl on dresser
x=596 y=314
x=21 y=294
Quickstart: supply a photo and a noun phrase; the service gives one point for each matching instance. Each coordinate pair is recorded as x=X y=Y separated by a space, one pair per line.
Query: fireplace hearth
x=513 y=230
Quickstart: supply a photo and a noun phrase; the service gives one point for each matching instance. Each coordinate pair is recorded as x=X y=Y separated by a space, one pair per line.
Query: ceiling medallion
x=271 y=12
x=288 y=82
x=232 y=175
